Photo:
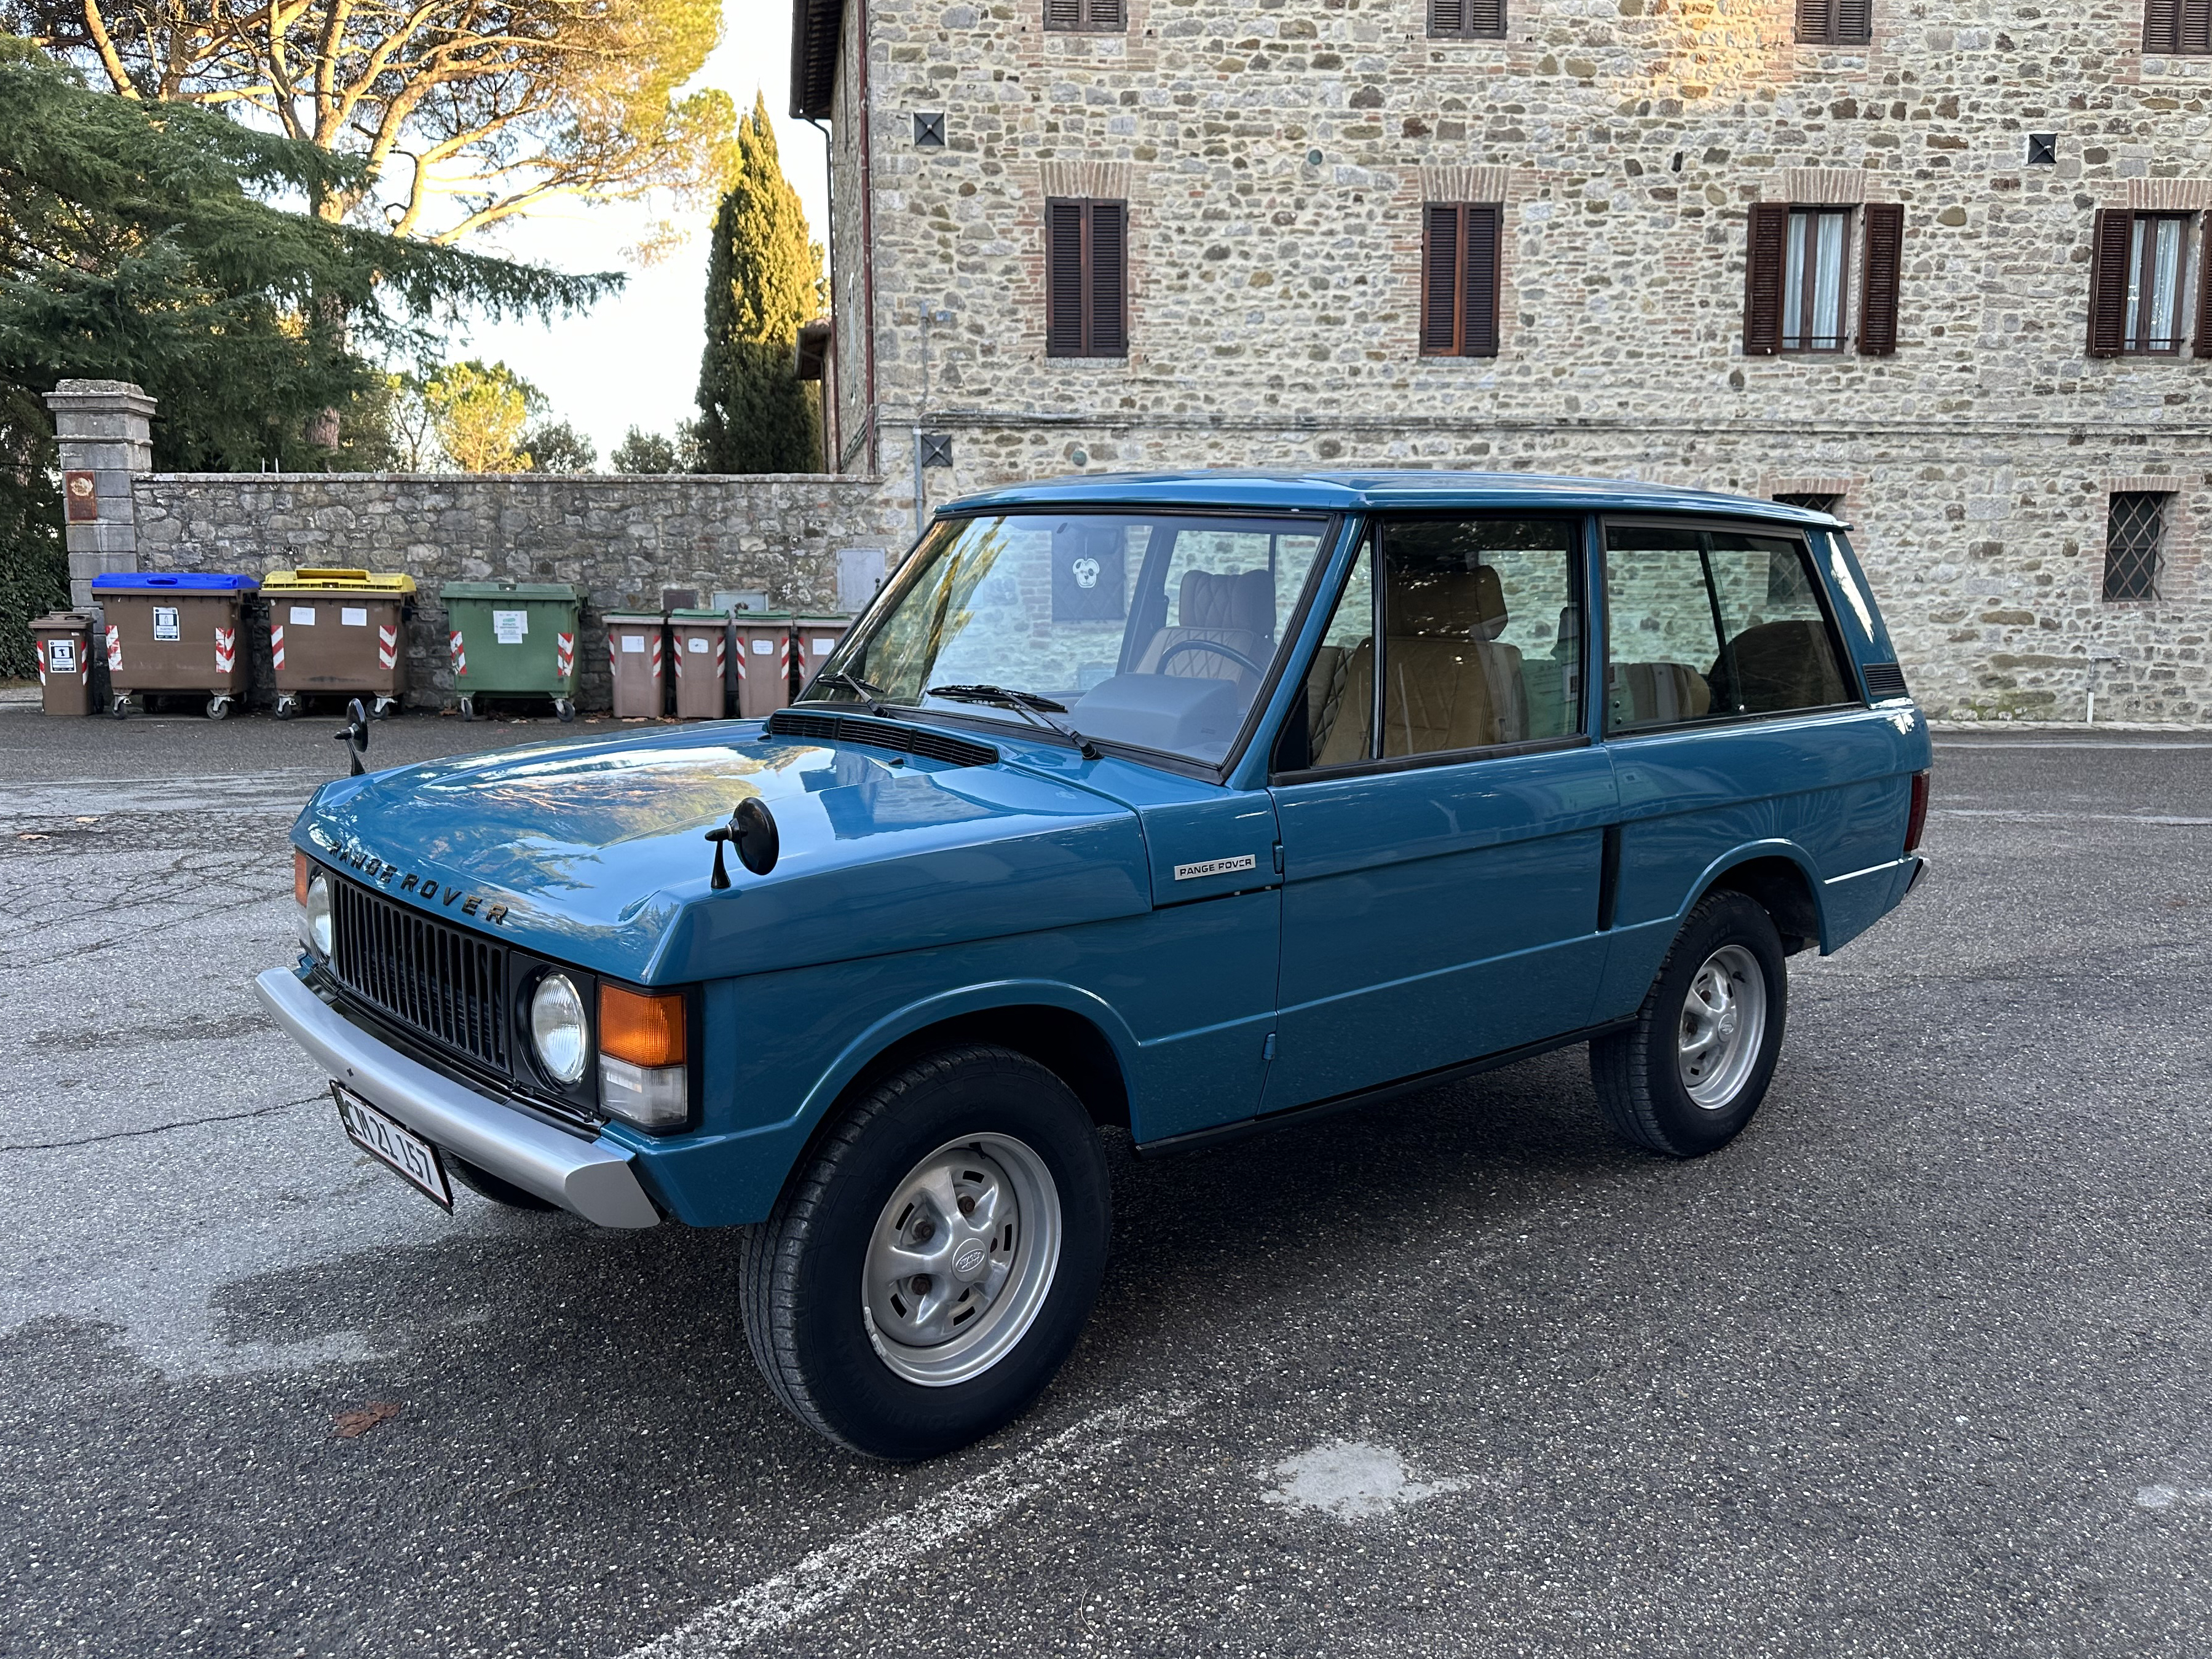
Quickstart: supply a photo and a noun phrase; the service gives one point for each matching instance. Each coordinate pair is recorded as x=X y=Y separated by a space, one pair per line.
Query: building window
x=2178 y=26
x=1086 y=279
x=1797 y=279
x=1839 y=22
x=1086 y=16
x=1459 y=279
x=1468 y=20
x=1812 y=501
x=2138 y=284
x=2135 y=537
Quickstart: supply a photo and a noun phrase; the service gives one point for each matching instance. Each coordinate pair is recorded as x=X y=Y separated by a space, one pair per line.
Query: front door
x=1441 y=810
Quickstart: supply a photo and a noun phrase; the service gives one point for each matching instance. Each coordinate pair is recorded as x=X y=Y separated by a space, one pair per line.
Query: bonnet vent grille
x=1884 y=680
x=879 y=734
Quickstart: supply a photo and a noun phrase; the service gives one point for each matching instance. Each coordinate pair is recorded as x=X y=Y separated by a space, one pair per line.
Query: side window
x=1335 y=724
x=1481 y=632
x=1707 y=624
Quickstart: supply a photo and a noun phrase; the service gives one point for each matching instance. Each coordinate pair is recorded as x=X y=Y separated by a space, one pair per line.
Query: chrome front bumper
x=589 y=1177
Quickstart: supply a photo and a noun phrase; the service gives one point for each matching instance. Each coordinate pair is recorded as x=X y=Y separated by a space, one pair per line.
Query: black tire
x=1638 y=1072
x=484 y=1183
x=813 y=1339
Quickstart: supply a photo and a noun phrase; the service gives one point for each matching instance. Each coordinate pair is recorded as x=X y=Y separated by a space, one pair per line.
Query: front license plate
x=391 y=1142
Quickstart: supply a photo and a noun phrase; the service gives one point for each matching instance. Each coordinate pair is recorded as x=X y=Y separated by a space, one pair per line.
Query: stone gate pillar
x=105 y=431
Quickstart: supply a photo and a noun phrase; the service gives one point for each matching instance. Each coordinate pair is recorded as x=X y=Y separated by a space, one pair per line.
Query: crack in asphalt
x=159 y=1129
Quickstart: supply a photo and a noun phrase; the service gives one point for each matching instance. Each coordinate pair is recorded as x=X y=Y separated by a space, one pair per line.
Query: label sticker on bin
x=353 y=616
x=696 y=645
x=165 y=623
x=634 y=643
x=762 y=648
x=303 y=615
x=508 y=627
x=61 y=656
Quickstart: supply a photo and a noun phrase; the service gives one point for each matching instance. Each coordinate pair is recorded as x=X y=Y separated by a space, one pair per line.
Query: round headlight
x=558 y=1029
x=319 y=916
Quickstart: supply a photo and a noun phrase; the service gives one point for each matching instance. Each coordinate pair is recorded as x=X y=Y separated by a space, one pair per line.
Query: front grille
x=879 y=734
x=448 y=984
x=1884 y=680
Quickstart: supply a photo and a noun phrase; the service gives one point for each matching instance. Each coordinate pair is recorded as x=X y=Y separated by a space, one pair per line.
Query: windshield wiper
x=871 y=695
x=1036 y=710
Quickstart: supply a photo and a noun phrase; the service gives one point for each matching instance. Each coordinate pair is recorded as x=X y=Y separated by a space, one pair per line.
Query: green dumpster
x=513 y=640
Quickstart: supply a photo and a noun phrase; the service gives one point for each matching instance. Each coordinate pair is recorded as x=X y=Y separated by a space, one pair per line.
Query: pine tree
x=763 y=280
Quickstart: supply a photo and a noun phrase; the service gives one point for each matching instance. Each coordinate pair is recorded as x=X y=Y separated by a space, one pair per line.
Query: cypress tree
x=763 y=280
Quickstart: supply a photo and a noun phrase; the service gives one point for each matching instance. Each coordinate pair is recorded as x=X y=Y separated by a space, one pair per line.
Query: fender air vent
x=1884 y=680
x=879 y=734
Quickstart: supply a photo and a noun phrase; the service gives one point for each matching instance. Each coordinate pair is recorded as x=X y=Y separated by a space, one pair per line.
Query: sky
x=633 y=360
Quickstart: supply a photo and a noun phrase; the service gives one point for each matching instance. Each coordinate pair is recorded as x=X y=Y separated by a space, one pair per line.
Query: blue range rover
x=1186 y=804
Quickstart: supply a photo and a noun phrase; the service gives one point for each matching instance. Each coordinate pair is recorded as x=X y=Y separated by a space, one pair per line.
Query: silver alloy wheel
x=1724 y=1026
x=961 y=1260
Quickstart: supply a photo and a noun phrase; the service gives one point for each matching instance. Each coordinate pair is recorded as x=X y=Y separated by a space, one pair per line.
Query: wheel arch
x=1782 y=880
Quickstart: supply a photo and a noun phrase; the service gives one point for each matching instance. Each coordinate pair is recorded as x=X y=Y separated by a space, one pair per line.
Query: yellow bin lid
x=325 y=580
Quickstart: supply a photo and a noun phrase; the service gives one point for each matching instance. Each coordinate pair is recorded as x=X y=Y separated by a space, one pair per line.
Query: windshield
x=1128 y=628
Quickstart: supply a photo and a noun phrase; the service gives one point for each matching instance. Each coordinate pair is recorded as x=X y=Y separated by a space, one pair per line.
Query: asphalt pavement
x=1920 y=1365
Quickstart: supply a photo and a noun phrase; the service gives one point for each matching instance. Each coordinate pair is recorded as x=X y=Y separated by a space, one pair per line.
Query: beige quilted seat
x=1235 y=610
x=1453 y=684
x=1654 y=694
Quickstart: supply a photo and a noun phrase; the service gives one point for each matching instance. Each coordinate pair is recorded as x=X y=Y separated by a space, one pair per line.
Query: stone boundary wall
x=620 y=538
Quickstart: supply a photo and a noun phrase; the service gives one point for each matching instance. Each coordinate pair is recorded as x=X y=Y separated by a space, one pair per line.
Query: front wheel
x=1686 y=1077
x=930 y=1266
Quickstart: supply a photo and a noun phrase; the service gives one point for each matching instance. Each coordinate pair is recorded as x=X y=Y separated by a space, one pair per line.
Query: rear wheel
x=1688 y=1076
x=930 y=1266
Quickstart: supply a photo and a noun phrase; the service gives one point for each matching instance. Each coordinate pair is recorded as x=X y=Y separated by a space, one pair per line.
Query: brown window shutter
x=1110 y=280
x=1439 y=281
x=1851 y=22
x=1764 y=261
x=1885 y=253
x=2108 y=282
x=2203 y=347
x=1814 y=25
x=1063 y=14
x=1449 y=17
x=1485 y=18
x=1103 y=14
x=1479 y=296
x=1063 y=280
x=2196 y=34
x=2162 y=26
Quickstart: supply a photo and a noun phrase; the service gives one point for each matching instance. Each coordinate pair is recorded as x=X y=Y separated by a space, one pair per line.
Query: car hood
x=596 y=850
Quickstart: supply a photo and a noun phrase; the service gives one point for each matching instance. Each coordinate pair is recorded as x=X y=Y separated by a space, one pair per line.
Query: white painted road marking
x=878 y=1550
x=2167 y=1498
x=2157 y=820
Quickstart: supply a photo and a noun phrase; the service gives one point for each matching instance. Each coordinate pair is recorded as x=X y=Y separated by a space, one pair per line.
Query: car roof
x=1378 y=488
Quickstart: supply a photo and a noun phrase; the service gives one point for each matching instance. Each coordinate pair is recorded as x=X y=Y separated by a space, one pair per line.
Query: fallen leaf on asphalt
x=33 y=835
x=91 y=820
x=351 y=1425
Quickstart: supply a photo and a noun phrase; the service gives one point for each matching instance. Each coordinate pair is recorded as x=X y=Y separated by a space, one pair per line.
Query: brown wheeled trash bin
x=812 y=639
x=63 y=640
x=763 y=654
x=341 y=632
x=634 y=663
x=702 y=639
x=174 y=634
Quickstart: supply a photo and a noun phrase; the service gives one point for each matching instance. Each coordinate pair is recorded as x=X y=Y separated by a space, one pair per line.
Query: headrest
x=1459 y=605
x=1216 y=599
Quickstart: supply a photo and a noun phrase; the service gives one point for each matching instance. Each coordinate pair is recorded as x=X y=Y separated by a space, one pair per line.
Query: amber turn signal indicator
x=646 y=1028
x=300 y=870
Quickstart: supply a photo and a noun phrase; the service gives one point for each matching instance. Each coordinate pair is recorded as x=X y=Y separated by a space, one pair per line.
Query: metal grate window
x=1812 y=501
x=2134 y=536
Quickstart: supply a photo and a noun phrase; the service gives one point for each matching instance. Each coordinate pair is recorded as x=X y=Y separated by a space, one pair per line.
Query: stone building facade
x=1276 y=157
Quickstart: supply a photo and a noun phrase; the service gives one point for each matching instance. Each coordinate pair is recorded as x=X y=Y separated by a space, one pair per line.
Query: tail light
x=1917 y=819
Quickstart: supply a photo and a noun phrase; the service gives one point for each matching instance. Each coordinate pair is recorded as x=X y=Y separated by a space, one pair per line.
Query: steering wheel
x=1217 y=648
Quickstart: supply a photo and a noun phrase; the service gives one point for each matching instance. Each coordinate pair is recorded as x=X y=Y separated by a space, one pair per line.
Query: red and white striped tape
x=387 y=646
x=741 y=662
x=114 y=648
x=276 y=643
x=41 y=646
x=564 y=655
x=226 y=650
x=460 y=655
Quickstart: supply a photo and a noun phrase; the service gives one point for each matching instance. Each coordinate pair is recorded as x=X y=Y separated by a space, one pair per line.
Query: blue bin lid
x=147 y=581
